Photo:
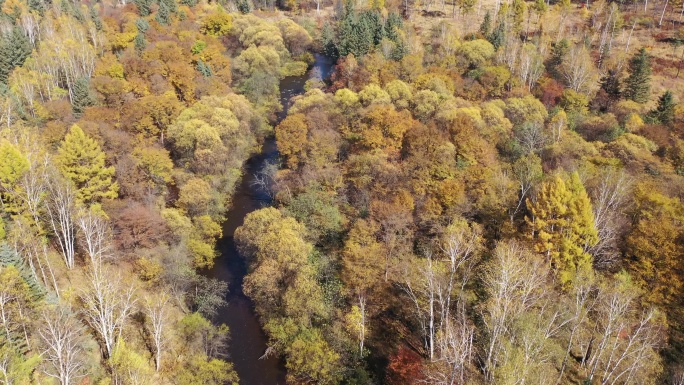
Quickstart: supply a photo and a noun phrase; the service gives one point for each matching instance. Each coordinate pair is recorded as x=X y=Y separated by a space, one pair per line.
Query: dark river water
x=248 y=341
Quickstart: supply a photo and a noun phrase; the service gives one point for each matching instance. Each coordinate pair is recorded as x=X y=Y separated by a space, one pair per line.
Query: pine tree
x=638 y=84
x=204 y=69
x=82 y=160
x=328 y=38
x=610 y=83
x=665 y=112
x=37 y=5
x=558 y=53
x=163 y=14
x=562 y=225
x=140 y=43
x=486 y=24
x=10 y=257
x=15 y=47
x=498 y=36
x=95 y=17
x=144 y=7
x=81 y=96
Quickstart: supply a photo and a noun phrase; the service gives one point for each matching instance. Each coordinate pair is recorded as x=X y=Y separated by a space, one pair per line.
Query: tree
x=638 y=83
x=107 y=305
x=562 y=225
x=163 y=16
x=15 y=48
x=62 y=337
x=157 y=314
x=61 y=207
x=81 y=97
x=82 y=161
x=655 y=246
x=13 y=166
x=129 y=367
x=144 y=7
x=665 y=111
x=515 y=281
x=486 y=25
x=292 y=134
x=217 y=24
x=578 y=69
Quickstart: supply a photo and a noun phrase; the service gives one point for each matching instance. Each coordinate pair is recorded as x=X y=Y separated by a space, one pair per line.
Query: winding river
x=248 y=341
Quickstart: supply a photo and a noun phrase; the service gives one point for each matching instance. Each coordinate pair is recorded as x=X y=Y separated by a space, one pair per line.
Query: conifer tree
x=665 y=112
x=486 y=24
x=81 y=96
x=328 y=38
x=95 y=17
x=498 y=36
x=558 y=53
x=144 y=7
x=163 y=14
x=82 y=161
x=638 y=84
x=562 y=224
x=140 y=43
x=15 y=47
x=610 y=83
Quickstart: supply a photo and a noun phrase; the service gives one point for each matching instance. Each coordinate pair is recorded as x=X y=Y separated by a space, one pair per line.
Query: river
x=248 y=341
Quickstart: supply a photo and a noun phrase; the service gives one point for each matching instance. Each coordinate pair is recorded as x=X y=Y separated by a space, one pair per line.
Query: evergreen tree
x=81 y=96
x=144 y=7
x=328 y=38
x=242 y=6
x=486 y=24
x=15 y=47
x=558 y=53
x=204 y=69
x=73 y=9
x=142 y=25
x=10 y=257
x=95 y=17
x=638 y=84
x=140 y=43
x=82 y=160
x=610 y=83
x=393 y=24
x=562 y=224
x=37 y=5
x=665 y=112
x=163 y=16
x=498 y=36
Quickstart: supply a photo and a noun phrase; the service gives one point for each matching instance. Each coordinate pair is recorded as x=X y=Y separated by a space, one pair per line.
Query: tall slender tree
x=638 y=84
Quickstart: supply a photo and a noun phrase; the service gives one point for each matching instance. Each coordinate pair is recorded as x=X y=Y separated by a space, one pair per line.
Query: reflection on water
x=248 y=341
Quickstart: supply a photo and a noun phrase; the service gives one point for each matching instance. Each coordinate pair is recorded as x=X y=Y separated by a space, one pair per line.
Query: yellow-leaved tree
x=82 y=161
x=562 y=224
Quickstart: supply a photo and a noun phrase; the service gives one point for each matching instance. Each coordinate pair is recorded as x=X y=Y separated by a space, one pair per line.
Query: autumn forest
x=479 y=191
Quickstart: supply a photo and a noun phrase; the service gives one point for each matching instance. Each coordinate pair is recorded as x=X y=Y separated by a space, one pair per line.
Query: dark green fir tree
x=81 y=97
x=638 y=84
x=665 y=112
x=15 y=47
x=486 y=24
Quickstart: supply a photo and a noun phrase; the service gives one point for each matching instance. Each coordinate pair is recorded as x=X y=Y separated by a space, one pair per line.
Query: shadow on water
x=248 y=341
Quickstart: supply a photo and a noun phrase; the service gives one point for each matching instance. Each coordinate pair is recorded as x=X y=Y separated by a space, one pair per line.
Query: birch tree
x=157 y=314
x=94 y=235
x=61 y=336
x=60 y=207
x=107 y=305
